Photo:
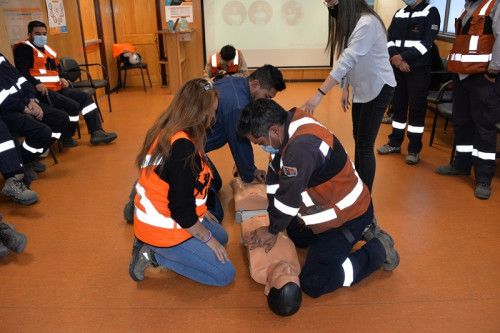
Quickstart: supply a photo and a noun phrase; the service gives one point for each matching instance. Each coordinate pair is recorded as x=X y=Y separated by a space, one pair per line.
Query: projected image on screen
x=234 y=13
x=284 y=33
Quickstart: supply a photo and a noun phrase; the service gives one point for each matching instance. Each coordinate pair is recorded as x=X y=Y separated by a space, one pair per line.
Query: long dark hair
x=185 y=113
x=339 y=30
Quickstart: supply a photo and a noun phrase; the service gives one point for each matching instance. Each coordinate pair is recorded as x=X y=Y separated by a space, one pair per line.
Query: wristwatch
x=491 y=75
x=34 y=100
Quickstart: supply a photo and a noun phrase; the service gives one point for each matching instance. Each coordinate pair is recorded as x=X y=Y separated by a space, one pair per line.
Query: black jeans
x=366 y=119
x=323 y=272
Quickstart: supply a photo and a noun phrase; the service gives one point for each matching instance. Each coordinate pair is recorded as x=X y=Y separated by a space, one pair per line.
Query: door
x=135 y=23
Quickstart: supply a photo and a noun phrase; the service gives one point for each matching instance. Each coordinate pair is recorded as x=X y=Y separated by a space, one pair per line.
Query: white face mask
x=269 y=149
x=40 y=41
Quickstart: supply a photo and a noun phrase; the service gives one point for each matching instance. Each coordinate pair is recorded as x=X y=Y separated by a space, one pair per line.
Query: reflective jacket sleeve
x=303 y=157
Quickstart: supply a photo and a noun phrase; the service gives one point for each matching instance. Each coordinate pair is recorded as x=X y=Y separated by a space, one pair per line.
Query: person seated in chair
x=24 y=115
x=39 y=64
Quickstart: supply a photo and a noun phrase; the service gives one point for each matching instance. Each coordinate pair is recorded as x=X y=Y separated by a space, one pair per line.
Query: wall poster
x=57 y=17
x=17 y=15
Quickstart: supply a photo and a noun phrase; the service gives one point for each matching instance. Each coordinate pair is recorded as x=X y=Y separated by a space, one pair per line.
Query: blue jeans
x=195 y=260
x=366 y=119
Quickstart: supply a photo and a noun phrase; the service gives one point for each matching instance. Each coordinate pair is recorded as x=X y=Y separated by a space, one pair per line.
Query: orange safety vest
x=39 y=71
x=472 y=50
x=217 y=65
x=153 y=223
x=337 y=200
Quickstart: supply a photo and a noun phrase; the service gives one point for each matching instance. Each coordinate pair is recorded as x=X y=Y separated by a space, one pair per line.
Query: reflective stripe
x=200 y=202
x=50 y=51
x=214 y=60
x=474 y=40
x=485 y=8
x=422 y=13
x=4 y=146
x=306 y=199
x=48 y=78
x=32 y=150
x=390 y=44
x=397 y=125
x=2 y=59
x=56 y=135
x=236 y=58
x=464 y=149
x=320 y=217
x=20 y=81
x=398 y=43
x=74 y=118
x=285 y=209
x=470 y=57
x=6 y=93
x=402 y=14
x=147 y=161
x=294 y=125
x=151 y=216
x=416 y=44
x=324 y=148
x=89 y=108
x=483 y=155
x=348 y=272
x=416 y=129
x=351 y=198
x=271 y=189
x=40 y=54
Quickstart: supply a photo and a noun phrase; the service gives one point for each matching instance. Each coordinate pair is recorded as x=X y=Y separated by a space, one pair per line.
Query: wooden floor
x=73 y=275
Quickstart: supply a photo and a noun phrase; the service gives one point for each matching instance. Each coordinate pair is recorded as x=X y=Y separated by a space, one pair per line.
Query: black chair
x=445 y=110
x=16 y=137
x=443 y=106
x=124 y=65
x=74 y=71
x=438 y=77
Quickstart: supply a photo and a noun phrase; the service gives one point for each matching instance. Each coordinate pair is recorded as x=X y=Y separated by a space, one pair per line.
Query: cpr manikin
x=278 y=269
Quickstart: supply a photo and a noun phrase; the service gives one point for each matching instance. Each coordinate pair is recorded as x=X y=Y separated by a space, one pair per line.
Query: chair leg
x=98 y=108
x=433 y=130
x=109 y=97
x=125 y=80
x=453 y=150
x=53 y=155
x=149 y=78
x=445 y=124
x=142 y=76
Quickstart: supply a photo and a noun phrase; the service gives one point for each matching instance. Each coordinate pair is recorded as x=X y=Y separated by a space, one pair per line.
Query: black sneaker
x=38 y=166
x=387 y=149
x=11 y=238
x=142 y=258
x=100 y=136
x=371 y=231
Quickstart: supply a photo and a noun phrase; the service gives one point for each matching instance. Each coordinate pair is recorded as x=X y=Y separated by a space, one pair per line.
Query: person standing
x=172 y=225
x=475 y=60
x=317 y=197
x=358 y=36
x=410 y=40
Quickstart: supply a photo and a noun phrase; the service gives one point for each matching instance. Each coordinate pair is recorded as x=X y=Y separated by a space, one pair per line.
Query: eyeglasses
x=207 y=86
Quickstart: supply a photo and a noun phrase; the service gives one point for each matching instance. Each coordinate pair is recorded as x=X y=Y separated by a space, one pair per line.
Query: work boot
x=12 y=239
x=38 y=166
x=128 y=210
x=19 y=191
x=450 y=170
x=371 y=230
x=391 y=255
x=4 y=251
x=412 y=158
x=387 y=149
x=29 y=173
x=69 y=142
x=483 y=191
x=142 y=258
x=100 y=136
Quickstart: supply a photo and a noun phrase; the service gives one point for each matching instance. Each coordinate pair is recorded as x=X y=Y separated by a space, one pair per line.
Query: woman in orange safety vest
x=172 y=225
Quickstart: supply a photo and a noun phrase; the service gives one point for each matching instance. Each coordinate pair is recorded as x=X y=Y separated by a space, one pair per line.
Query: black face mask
x=333 y=11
